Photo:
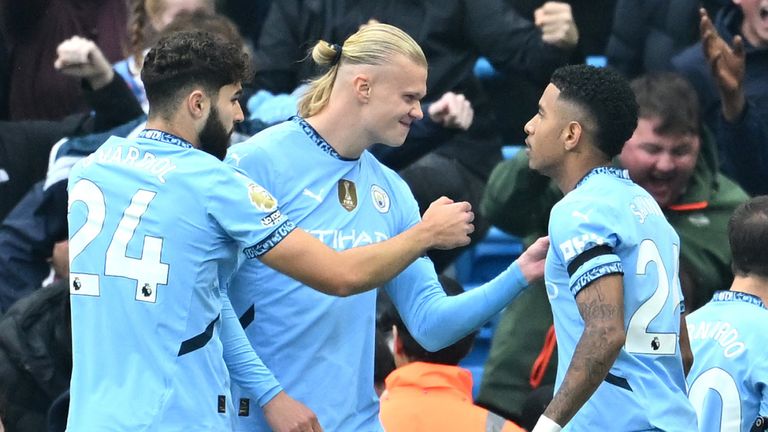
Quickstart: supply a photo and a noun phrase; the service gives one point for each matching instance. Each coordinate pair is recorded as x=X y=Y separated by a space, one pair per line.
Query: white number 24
x=639 y=339
x=148 y=271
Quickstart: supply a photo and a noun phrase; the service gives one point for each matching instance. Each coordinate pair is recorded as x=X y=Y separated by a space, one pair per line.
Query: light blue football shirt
x=729 y=378
x=321 y=347
x=155 y=230
x=609 y=225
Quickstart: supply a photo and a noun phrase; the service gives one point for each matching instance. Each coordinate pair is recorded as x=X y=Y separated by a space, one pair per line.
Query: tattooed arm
x=601 y=305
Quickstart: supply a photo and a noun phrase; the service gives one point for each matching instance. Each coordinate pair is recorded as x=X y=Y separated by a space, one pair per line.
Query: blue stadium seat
x=597 y=60
x=509 y=151
x=484 y=69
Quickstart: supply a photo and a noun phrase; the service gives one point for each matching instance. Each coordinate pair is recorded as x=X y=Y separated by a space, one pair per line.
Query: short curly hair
x=606 y=97
x=182 y=60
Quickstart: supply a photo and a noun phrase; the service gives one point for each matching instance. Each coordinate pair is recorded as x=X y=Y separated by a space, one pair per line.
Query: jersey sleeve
x=244 y=365
x=247 y=211
x=585 y=236
x=436 y=320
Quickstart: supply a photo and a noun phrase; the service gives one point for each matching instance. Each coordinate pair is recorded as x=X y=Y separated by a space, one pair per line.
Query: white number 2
x=722 y=383
x=639 y=339
x=148 y=271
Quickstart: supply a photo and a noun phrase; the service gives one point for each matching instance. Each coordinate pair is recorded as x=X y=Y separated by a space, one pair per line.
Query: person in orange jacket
x=428 y=391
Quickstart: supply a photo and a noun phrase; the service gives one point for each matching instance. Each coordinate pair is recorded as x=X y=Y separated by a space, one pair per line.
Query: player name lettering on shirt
x=133 y=157
x=341 y=239
x=642 y=207
x=721 y=332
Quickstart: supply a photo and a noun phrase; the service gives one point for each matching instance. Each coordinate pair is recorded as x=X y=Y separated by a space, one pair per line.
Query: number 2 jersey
x=156 y=227
x=609 y=225
x=729 y=378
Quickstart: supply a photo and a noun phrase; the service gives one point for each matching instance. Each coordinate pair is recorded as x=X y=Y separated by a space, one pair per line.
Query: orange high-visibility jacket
x=428 y=397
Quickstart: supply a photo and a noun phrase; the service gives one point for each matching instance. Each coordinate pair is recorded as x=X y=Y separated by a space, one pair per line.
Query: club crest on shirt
x=260 y=198
x=347 y=195
x=380 y=198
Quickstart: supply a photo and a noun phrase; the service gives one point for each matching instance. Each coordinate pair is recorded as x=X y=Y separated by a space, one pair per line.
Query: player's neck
x=174 y=128
x=340 y=132
x=755 y=285
x=572 y=175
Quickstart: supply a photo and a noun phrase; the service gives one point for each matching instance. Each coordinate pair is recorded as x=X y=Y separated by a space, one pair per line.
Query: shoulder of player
x=275 y=133
x=585 y=198
x=380 y=170
x=273 y=143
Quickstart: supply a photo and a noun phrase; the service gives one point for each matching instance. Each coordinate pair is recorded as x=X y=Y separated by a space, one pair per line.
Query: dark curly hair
x=605 y=96
x=182 y=60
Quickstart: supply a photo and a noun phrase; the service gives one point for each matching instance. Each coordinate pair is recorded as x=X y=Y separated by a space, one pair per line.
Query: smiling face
x=755 y=25
x=544 y=144
x=661 y=164
x=394 y=100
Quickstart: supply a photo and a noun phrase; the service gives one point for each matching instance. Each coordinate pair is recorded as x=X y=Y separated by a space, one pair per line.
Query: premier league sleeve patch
x=261 y=199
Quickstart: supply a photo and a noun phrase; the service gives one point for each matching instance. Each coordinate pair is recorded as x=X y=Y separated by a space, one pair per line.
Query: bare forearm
x=444 y=225
x=590 y=364
x=601 y=307
x=374 y=265
x=348 y=272
x=592 y=359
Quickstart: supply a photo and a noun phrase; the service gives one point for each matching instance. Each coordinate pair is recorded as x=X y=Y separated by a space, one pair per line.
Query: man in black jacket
x=35 y=357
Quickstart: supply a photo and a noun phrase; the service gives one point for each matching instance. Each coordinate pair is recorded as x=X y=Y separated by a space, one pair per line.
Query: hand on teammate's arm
x=558 y=28
x=286 y=414
x=80 y=57
x=532 y=260
x=445 y=225
x=452 y=111
x=727 y=64
x=601 y=305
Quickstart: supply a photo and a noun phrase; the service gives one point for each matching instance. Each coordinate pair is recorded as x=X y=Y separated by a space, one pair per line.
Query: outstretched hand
x=452 y=111
x=727 y=64
x=450 y=223
x=80 y=57
x=531 y=261
x=286 y=414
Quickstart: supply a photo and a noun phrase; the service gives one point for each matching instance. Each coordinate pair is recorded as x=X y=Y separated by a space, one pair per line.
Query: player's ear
x=362 y=87
x=195 y=103
x=572 y=134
